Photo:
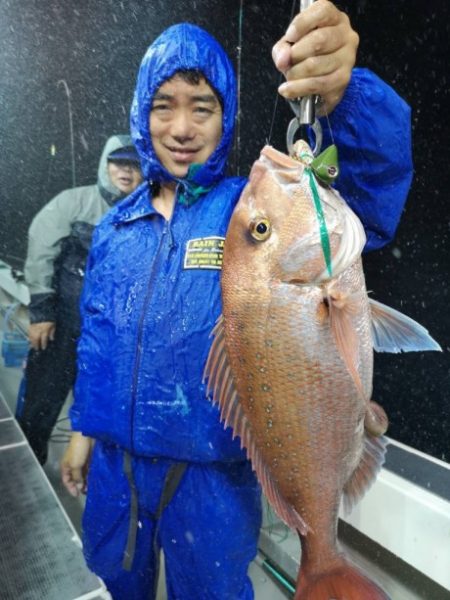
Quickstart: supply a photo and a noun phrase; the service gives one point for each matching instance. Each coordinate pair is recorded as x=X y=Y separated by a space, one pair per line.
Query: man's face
x=124 y=174
x=185 y=124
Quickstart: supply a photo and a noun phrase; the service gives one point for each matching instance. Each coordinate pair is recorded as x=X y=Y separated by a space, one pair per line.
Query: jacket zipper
x=166 y=233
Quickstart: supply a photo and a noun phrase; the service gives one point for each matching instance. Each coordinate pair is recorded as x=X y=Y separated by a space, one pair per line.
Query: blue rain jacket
x=152 y=292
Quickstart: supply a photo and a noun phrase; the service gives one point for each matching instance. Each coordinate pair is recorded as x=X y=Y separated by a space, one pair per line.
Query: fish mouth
x=279 y=159
x=284 y=169
x=258 y=171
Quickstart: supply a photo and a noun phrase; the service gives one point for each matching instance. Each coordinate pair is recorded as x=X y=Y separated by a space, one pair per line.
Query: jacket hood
x=183 y=46
x=109 y=191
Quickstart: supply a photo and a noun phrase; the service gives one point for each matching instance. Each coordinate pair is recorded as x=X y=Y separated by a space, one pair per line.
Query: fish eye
x=260 y=229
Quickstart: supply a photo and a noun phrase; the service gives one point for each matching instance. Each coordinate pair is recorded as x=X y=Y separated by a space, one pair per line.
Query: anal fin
x=366 y=472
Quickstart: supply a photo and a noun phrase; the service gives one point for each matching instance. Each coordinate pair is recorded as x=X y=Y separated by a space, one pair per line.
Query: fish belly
x=304 y=410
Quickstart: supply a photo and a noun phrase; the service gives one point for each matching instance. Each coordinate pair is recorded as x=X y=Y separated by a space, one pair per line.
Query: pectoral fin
x=341 y=308
x=393 y=331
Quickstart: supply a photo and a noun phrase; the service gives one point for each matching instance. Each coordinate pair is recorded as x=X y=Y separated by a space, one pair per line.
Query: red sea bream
x=292 y=358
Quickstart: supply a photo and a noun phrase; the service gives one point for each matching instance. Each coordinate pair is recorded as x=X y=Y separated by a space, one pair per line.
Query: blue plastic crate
x=14 y=349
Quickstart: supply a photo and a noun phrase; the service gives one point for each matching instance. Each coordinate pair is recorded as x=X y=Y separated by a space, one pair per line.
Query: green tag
x=324 y=237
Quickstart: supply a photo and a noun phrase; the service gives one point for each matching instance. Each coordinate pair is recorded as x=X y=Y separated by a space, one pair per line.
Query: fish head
x=288 y=227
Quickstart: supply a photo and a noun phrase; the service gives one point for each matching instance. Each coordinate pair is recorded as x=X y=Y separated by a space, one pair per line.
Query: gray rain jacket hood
x=109 y=191
x=59 y=239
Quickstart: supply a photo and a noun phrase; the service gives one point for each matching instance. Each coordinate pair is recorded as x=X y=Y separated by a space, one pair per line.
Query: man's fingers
x=317 y=86
x=72 y=479
x=34 y=341
x=34 y=338
x=319 y=41
x=320 y=14
x=281 y=54
x=66 y=477
x=322 y=42
x=44 y=341
x=313 y=67
x=75 y=462
x=39 y=334
x=330 y=87
x=317 y=75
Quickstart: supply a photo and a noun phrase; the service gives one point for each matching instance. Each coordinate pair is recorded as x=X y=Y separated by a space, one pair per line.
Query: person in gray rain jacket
x=58 y=244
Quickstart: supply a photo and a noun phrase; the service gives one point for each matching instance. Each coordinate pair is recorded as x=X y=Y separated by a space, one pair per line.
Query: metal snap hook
x=292 y=129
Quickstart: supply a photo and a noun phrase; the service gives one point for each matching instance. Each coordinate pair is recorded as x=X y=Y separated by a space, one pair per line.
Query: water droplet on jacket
x=189 y=537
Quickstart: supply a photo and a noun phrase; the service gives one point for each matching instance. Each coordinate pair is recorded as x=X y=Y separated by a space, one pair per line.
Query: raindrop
x=189 y=537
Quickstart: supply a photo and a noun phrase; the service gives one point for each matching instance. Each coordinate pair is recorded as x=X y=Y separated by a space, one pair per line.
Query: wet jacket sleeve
x=372 y=130
x=80 y=390
x=49 y=227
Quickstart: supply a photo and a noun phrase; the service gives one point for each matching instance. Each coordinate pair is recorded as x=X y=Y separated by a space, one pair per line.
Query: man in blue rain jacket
x=164 y=473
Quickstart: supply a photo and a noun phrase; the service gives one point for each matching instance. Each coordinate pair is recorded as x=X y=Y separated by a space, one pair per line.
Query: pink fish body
x=292 y=360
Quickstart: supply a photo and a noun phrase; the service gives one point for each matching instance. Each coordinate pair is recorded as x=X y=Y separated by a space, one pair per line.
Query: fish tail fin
x=342 y=582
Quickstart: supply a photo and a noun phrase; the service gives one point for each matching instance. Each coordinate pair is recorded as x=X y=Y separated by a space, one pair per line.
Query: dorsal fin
x=366 y=472
x=220 y=381
x=393 y=331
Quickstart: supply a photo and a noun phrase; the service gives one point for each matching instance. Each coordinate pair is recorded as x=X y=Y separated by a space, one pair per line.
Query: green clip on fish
x=325 y=166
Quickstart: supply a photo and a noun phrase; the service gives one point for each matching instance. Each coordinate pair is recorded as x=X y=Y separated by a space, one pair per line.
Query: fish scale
x=268 y=386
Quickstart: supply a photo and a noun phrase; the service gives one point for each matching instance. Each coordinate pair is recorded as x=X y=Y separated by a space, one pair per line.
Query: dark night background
x=96 y=47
